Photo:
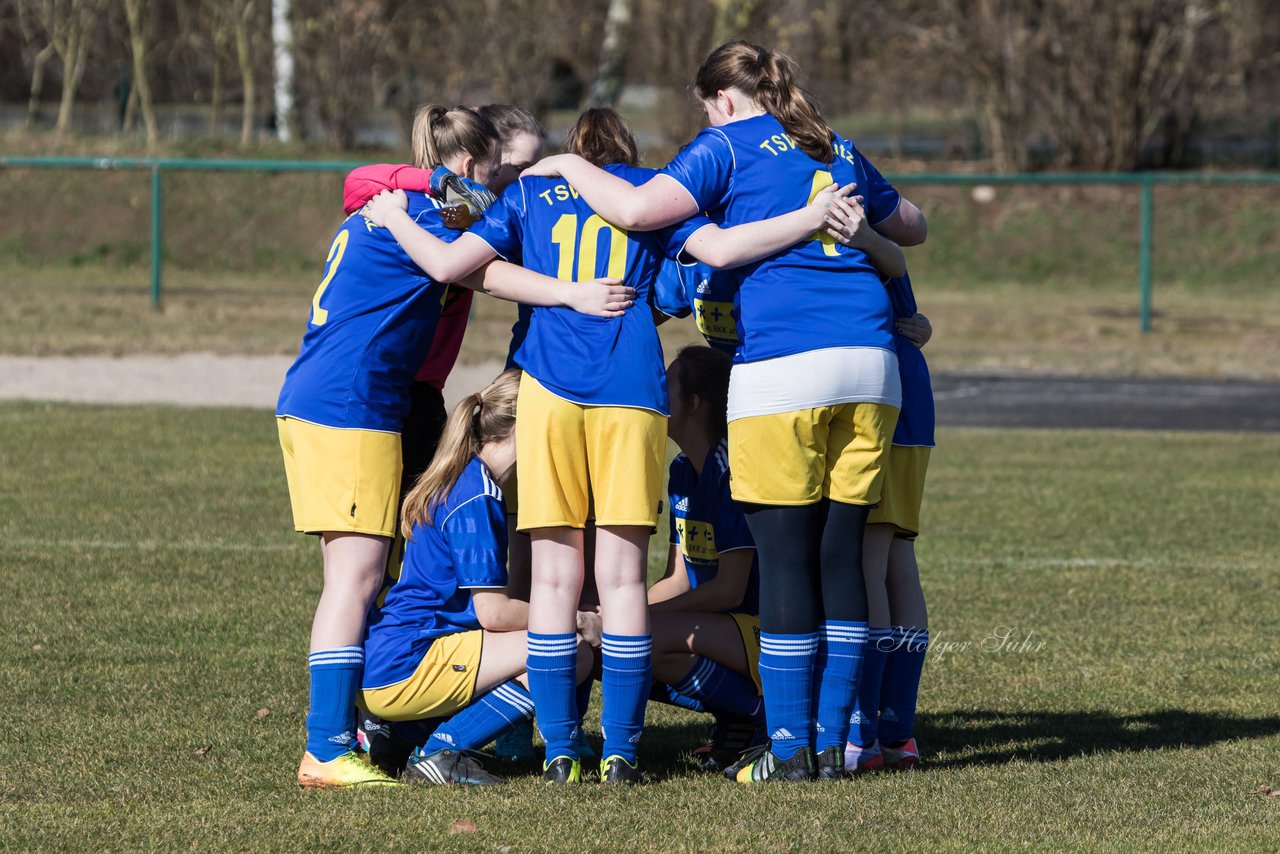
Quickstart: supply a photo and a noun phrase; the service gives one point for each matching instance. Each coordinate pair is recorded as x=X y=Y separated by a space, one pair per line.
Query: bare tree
x=68 y=26
x=282 y=51
x=607 y=87
x=340 y=44
x=32 y=34
x=135 y=11
x=241 y=14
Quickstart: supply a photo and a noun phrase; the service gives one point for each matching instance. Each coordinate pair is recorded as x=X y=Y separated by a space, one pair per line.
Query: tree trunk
x=244 y=54
x=135 y=10
x=607 y=88
x=287 y=126
x=130 y=118
x=215 y=97
x=37 y=83
x=71 y=42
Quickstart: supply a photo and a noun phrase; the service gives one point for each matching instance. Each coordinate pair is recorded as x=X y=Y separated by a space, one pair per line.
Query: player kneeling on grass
x=706 y=632
x=445 y=639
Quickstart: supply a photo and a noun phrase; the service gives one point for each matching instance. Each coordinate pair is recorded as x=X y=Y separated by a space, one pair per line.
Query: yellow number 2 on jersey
x=318 y=314
x=565 y=235
x=822 y=180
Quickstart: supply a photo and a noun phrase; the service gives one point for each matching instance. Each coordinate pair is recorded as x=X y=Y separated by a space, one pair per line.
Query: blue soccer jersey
x=603 y=361
x=916 y=419
x=706 y=522
x=371 y=324
x=818 y=293
x=464 y=549
x=704 y=292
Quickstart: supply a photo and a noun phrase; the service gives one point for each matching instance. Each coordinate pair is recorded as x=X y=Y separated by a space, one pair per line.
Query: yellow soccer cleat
x=346 y=772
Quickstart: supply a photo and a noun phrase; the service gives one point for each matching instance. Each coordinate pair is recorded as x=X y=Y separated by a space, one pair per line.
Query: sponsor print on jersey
x=697 y=540
x=715 y=319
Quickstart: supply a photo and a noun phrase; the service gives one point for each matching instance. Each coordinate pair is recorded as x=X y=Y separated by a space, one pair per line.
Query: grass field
x=154 y=632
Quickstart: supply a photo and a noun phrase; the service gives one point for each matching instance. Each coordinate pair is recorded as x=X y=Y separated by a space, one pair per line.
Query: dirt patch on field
x=191 y=379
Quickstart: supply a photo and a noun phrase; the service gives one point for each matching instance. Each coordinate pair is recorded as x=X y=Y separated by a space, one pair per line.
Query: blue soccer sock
x=863 y=724
x=901 y=686
x=723 y=690
x=838 y=666
x=786 y=670
x=626 y=674
x=483 y=720
x=663 y=693
x=331 y=719
x=553 y=677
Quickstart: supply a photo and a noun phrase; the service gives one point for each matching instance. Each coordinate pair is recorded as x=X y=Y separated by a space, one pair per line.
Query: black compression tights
x=810 y=564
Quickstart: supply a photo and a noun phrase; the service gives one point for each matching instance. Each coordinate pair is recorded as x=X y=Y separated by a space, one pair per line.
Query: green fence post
x=157 y=238
x=1145 y=253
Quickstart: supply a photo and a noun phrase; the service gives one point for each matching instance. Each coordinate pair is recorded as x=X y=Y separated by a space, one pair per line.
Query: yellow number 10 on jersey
x=566 y=236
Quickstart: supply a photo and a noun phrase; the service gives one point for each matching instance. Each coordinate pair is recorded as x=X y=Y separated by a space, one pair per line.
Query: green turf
x=157 y=602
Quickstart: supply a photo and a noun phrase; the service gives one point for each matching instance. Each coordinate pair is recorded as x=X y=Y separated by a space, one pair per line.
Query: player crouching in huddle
x=706 y=632
x=445 y=639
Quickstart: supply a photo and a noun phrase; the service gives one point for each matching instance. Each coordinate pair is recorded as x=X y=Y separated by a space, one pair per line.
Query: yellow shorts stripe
x=444 y=682
x=902 y=491
x=574 y=456
x=341 y=480
x=800 y=457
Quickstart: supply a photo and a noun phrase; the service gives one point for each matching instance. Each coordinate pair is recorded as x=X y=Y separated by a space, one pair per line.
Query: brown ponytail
x=601 y=137
x=704 y=371
x=768 y=78
x=511 y=121
x=486 y=416
x=440 y=134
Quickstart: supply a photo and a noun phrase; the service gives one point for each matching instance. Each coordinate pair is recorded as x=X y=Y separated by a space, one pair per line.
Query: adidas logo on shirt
x=682 y=506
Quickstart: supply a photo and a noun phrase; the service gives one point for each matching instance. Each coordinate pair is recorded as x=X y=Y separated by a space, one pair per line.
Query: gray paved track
x=976 y=401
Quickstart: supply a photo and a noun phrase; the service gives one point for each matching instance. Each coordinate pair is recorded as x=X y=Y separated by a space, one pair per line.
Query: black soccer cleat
x=562 y=771
x=831 y=764
x=759 y=765
x=730 y=738
x=615 y=769
x=448 y=767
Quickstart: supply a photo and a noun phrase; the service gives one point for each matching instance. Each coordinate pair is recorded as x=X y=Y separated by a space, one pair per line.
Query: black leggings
x=422 y=428
x=810 y=564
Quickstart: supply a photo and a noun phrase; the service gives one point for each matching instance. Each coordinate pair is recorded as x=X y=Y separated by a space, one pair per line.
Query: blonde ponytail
x=768 y=77
x=440 y=134
x=486 y=416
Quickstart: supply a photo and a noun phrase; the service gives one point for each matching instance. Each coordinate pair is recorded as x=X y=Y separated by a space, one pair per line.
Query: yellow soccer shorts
x=902 y=490
x=801 y=457
x=749 y=628
x=339 y=479
x=443 y=684
x=578 y=462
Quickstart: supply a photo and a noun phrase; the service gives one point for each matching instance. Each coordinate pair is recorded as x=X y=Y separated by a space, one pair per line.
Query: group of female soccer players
x=788 y=446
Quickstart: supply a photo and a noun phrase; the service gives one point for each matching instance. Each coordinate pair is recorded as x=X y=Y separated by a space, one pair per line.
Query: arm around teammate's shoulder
x=659 y=202
x=906 y=226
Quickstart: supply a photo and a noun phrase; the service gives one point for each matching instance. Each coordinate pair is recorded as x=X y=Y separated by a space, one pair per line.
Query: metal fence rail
x=1145 y=181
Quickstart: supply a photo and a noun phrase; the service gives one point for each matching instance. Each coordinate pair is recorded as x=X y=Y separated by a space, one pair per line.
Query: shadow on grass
x=988 y=737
